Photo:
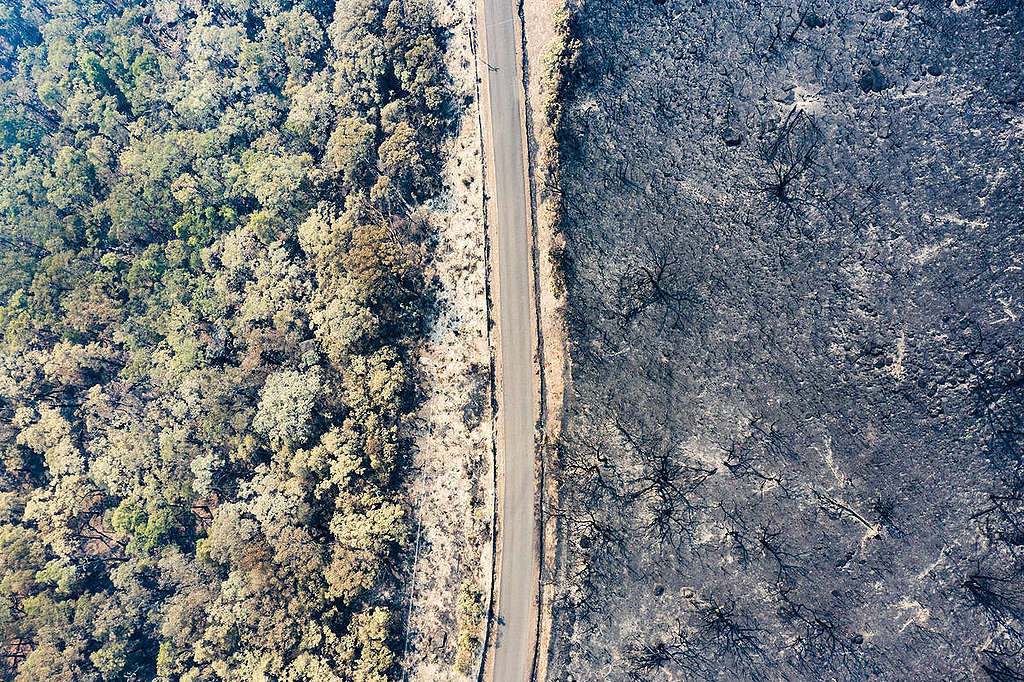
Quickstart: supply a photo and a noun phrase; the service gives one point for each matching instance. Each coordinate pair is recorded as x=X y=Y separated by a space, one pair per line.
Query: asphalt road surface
x=517 y=612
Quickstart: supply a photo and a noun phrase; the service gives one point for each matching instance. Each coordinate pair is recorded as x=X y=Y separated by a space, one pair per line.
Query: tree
x=350 y=151
x=286 y=408
x=360 y=56
x=367 y=646
x=403 y=168
x=207 y=328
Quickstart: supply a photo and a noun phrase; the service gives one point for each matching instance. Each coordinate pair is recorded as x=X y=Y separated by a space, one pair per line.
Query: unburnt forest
x=794 y=264
x=211 y=296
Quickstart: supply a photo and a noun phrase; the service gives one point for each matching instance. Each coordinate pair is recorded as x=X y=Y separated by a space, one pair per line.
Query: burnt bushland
x=795 y=251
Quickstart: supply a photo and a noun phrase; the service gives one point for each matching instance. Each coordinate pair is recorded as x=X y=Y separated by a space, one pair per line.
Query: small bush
x=469 y=616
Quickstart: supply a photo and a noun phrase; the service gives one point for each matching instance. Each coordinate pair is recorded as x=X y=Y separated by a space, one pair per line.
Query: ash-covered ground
x=795 y=263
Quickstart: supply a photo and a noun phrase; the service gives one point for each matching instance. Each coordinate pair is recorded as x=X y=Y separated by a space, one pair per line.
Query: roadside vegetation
x=211 y=296
x=470 y=618
x=558 y=62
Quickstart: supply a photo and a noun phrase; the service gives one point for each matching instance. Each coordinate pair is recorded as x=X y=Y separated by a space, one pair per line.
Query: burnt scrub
x=793 y=264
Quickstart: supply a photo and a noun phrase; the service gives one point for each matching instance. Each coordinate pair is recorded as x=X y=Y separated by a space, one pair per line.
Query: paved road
x=517 y=613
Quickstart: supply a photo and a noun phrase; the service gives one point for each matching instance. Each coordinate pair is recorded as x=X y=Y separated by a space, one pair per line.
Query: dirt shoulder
x=540 y=36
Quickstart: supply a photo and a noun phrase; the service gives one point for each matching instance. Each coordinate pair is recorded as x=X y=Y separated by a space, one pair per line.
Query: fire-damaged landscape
x=511 y=340
x=794 y=250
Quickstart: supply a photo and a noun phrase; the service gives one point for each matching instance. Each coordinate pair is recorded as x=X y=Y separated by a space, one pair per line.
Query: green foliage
x=350 y=151
x=285 y=411
x=469 y=616
x=558 y=59
x=404 y=167
x=198 y=225
x=367 y=645
x=208 y=306
x=148 y=529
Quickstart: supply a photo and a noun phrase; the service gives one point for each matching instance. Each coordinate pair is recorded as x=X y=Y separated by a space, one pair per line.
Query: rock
x=994 y=7
x=873 y=80
x=813 y=20
x=731 y=137
x=787 y=97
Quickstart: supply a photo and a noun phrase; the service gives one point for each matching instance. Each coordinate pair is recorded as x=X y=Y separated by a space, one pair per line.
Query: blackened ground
x=796 y=256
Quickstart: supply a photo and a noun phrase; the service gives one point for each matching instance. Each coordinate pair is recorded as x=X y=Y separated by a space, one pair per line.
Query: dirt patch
x=452 y=488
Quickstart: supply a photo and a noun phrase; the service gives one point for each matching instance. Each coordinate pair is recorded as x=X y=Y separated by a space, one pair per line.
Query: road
x=517 y=610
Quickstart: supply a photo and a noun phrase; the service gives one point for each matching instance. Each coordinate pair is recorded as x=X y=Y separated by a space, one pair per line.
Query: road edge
x=485 y=672
x=492 y=399
x=526 y=121
x=547 y=50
